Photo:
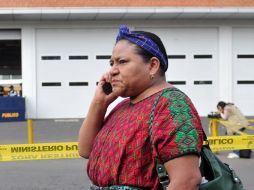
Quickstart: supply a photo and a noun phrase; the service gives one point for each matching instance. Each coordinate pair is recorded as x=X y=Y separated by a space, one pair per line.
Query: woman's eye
x=122 y=61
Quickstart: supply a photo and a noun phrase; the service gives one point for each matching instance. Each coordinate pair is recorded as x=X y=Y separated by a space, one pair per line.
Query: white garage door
x=193 y=63
x=69 y=63
x=243 y=69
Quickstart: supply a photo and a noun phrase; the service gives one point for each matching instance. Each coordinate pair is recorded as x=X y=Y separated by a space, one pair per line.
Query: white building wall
x=225 y=64
x=243 y=68
x=29 y=70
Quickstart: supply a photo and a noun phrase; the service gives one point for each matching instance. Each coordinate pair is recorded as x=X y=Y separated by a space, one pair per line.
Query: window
x=177 y=82
x=201 y=82
x=50 y=57
x=103 y=56
x=10 y=59
x=245 y=56
x=78 y=57
x=51 y=84
x=203 y=56
x=78 y=83
x=245 y=82
x=176 y=56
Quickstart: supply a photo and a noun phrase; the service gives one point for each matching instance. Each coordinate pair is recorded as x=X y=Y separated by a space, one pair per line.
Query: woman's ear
x=154 y=65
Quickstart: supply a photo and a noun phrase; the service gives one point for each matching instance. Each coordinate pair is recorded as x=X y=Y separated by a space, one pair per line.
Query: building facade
x=66 y=45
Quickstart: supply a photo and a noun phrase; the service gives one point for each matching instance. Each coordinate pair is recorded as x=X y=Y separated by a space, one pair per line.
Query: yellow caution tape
x=40 y=151
x=221 y=143
x=62 y=150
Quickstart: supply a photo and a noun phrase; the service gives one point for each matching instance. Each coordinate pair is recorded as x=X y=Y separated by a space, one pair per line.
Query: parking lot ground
x=69 y=174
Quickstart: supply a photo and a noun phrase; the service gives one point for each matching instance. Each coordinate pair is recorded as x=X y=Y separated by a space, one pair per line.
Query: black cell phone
x=107 y=88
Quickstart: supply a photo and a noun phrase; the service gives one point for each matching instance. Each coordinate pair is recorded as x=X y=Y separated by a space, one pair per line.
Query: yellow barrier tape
x=221 y=143
x=39 y=151
x=62 y=150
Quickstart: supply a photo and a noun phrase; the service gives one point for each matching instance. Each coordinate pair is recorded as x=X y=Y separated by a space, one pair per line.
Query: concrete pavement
x=63 y=174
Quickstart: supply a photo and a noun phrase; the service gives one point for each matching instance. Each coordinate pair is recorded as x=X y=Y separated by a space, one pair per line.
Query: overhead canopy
x=68 y=14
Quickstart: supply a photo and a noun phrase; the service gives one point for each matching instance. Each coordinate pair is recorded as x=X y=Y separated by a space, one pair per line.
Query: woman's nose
x=114 y=70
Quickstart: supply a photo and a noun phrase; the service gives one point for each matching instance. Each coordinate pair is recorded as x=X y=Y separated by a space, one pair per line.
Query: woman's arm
x=94 y=119
x=90 y=127
x=184 y=173
x=225 y=114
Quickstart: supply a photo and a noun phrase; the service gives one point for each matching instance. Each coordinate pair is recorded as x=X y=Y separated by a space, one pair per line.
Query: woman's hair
x=146 y=55
x=223 y=104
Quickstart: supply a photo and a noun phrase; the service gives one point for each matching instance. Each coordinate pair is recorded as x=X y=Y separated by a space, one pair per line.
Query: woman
x=120 y=153
x=236 y=121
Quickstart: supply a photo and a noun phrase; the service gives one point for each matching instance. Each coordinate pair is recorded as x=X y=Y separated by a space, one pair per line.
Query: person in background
x=236 y=121
x=118 y=145
x=12 y=92
x=20 y=90
x=1 y=91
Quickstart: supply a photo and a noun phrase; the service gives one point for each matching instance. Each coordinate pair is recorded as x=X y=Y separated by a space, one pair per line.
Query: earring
x=152 y=76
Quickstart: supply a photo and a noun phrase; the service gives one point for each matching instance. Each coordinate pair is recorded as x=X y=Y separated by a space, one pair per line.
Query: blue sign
x=12 y=109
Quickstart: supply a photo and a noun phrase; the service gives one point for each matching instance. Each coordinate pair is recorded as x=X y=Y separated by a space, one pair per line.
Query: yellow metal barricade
x=214 y=122
x=222 y=143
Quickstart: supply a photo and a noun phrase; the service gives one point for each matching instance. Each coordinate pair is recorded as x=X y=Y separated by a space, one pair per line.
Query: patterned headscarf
x=144 y=42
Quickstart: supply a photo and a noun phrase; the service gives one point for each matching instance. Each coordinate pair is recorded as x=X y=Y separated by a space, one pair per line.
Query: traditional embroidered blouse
x=122 y=153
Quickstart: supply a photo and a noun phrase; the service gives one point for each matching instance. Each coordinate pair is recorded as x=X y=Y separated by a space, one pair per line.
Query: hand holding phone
x=107 y=88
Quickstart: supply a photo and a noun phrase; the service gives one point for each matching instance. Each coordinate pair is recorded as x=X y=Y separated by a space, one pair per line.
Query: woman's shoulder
x=176 y=100
x=230 y=107
x=173 y=93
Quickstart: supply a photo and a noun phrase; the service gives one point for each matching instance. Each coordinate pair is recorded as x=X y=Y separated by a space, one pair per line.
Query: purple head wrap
x=144 y=42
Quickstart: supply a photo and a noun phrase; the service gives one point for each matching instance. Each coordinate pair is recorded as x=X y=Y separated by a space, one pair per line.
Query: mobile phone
x=107 y=88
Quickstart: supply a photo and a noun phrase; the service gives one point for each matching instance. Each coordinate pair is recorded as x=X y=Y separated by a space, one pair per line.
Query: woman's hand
x=100 y=95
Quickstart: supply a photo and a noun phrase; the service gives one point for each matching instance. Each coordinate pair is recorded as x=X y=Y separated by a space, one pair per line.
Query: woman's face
x=220 y=109
x=130 y=75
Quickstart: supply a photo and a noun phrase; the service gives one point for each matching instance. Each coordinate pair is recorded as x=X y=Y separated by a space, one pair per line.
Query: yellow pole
x=214 y=127
x=30 y=131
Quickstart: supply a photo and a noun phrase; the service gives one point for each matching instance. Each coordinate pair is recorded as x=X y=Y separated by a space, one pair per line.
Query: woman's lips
x=114 y=82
